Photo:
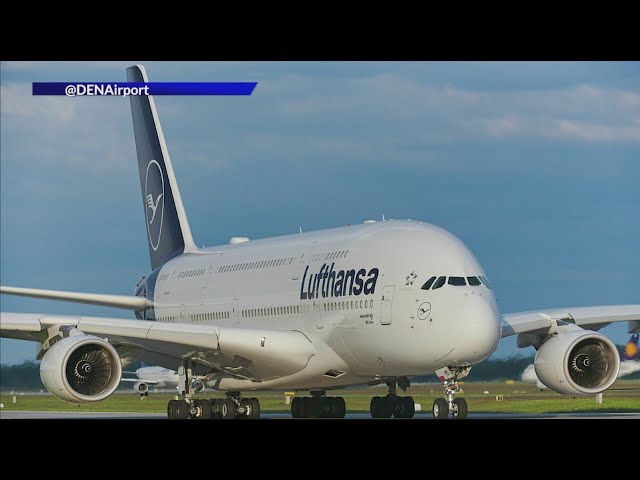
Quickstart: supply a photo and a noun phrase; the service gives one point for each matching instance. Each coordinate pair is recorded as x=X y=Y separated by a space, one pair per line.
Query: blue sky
x=534 y=165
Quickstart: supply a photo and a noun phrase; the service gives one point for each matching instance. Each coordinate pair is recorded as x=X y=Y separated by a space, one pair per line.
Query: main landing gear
x=231 y=407
x=457 y=407
x=318 y=406
x=393 y=404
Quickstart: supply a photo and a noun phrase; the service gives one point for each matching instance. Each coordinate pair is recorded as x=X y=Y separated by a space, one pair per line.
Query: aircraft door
x=317 y=315
x=386 y=304
x=235 y=311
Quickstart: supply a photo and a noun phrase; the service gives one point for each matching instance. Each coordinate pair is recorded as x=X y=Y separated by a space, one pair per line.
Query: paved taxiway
x=281 y=416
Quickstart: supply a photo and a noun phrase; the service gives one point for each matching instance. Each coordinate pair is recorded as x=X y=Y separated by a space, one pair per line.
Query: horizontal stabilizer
x=115 y=301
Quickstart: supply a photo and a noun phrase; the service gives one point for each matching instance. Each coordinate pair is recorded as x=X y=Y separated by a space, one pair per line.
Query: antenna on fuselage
x=300 y=229
x=383 y=219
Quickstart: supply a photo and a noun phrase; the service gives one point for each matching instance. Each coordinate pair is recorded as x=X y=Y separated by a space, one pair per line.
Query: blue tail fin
x=168 y=229
x=631 y=349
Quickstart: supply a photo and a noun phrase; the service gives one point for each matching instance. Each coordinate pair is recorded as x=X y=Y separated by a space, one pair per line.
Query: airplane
x=159 y=377
x=628 y=364
x=367 y=304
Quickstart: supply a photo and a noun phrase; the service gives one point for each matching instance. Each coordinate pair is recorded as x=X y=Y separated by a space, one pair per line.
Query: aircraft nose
x=476 y=331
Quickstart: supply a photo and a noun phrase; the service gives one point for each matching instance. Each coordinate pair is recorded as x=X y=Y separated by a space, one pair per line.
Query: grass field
x=518 y=397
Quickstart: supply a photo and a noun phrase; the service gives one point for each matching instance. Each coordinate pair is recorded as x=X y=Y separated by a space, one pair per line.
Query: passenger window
x=457 y=281
x=473 y=281
x=440 y=282
x=428 y=283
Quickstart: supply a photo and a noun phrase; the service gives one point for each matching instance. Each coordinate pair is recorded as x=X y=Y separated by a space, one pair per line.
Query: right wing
x=116 y=301
x=249 y=353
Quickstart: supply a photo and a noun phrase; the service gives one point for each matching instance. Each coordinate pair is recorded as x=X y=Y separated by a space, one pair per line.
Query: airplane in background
x=369 y=304
x=158 y=377
x=628 y=364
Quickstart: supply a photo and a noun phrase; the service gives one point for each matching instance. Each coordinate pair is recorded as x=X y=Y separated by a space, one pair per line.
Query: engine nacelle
x=577 y=362
x=81 y=369
x=141 y=387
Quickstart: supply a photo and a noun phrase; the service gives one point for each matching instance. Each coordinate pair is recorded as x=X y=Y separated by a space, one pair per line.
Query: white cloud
x=89 y=133
x=410 y=109
x=17 y=101
x=599 y=133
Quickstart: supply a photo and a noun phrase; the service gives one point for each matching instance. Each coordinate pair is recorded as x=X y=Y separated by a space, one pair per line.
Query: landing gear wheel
x=460 y=410
x=440 y=408
x=228 y=410
x=327 y=407
x=182 y=411
x=374 y=408
x=297 y=408
x=340 y=407
x=216 y=408
x=203 y=409
x=408 y=407
x=403 y=407
x=382 y=407
x=314 y=407
x=387 y=404
x=172 y=409
x=254 y=408
x=398 y=408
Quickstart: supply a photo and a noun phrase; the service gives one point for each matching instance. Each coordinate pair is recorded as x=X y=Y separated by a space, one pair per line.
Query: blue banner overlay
x=125 y=89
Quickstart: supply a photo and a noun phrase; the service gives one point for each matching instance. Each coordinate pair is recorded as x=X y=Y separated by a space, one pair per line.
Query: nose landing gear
x=457 y=407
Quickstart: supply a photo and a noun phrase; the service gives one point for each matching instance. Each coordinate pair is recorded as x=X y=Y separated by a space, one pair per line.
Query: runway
x=32 y=415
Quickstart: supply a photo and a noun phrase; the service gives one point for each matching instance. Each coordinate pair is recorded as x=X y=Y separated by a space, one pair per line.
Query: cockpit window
x=440 y=282
x=457 y=281
x=486 y=282
x=428 y=283
x=474 y=281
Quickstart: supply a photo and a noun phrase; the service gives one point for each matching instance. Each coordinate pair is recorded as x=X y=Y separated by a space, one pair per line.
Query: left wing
x=590 y=318
x=255 y=354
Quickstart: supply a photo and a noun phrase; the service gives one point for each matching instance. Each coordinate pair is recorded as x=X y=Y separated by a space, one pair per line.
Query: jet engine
x=81 y=369
x=577 y=363
x=141 y=387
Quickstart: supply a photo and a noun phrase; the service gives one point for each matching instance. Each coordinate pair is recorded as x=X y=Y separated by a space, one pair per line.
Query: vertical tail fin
x=631 y=349
x=168 y=229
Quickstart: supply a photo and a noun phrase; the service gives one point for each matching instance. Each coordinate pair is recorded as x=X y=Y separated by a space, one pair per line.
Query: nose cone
x=475 y=330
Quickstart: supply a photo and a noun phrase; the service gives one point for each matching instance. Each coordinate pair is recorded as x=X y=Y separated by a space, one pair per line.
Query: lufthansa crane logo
x=424 y=310
x=154 y=202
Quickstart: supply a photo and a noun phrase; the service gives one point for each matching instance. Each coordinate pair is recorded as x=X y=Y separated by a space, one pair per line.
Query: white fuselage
x=157 y=376
x=375 y=318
